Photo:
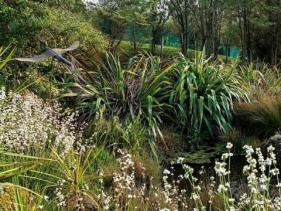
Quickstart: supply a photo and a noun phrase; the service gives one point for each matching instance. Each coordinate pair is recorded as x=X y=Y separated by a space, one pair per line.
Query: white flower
x=2 y=93
x=222 y=188
x=220 y=168
x=274 y=171
x=166 y=171
x=270 y=148
x=229 y=145
x=180 y=160
x=195 y=196
x=231 y=200
x=188 y=169
x=40 y=207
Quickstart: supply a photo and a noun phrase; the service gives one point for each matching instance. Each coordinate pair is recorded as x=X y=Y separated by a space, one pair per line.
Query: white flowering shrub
x=27 y=123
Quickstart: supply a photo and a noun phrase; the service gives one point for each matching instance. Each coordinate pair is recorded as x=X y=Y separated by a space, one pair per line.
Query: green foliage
x=61 y=27
x=202 y=94
x=19 y=21
x=197 y=95
x=261 y=118
x=129 y=134
x=5 y=56
x=47 y=171
x=27 y=22
x=114 y=16
x=137 y=90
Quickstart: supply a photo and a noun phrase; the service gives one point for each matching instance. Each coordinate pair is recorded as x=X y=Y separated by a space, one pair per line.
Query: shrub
x=28 y=124
x=61 y=27
x=55 y=24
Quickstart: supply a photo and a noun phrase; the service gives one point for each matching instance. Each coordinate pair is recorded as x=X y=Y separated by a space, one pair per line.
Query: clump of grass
x=261 y=79
x=261 y=118
x=136 y=92
x=196 y=95
x=129 y=134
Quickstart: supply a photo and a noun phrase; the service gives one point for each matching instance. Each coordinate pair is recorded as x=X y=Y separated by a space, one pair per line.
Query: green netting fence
x=170 y=39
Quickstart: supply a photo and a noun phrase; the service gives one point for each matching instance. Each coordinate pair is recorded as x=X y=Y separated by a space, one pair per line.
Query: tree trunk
x=134 y=38
x=153 y=41
x=183 y=43
x=162 y=44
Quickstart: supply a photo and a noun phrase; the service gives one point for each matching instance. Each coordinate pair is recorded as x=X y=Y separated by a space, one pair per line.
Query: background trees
x=251 y=25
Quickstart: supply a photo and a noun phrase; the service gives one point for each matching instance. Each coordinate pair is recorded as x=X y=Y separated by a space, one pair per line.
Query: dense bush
x=26 y=22
x=61 y=27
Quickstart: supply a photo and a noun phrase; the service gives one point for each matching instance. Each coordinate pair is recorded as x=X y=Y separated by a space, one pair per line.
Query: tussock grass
x=261 y=118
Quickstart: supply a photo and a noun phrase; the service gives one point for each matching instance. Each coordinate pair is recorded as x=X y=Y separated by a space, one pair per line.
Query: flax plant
x=203 y=94
x=138 y=90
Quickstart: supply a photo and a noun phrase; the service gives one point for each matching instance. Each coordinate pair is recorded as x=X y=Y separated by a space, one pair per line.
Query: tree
x=180 y=12
x=158 y=18
x=259 y=27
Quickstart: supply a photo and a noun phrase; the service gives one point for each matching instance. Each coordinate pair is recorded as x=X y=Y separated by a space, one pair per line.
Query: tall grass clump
x=196 y=95
x=202 y=94
x=261 y=118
